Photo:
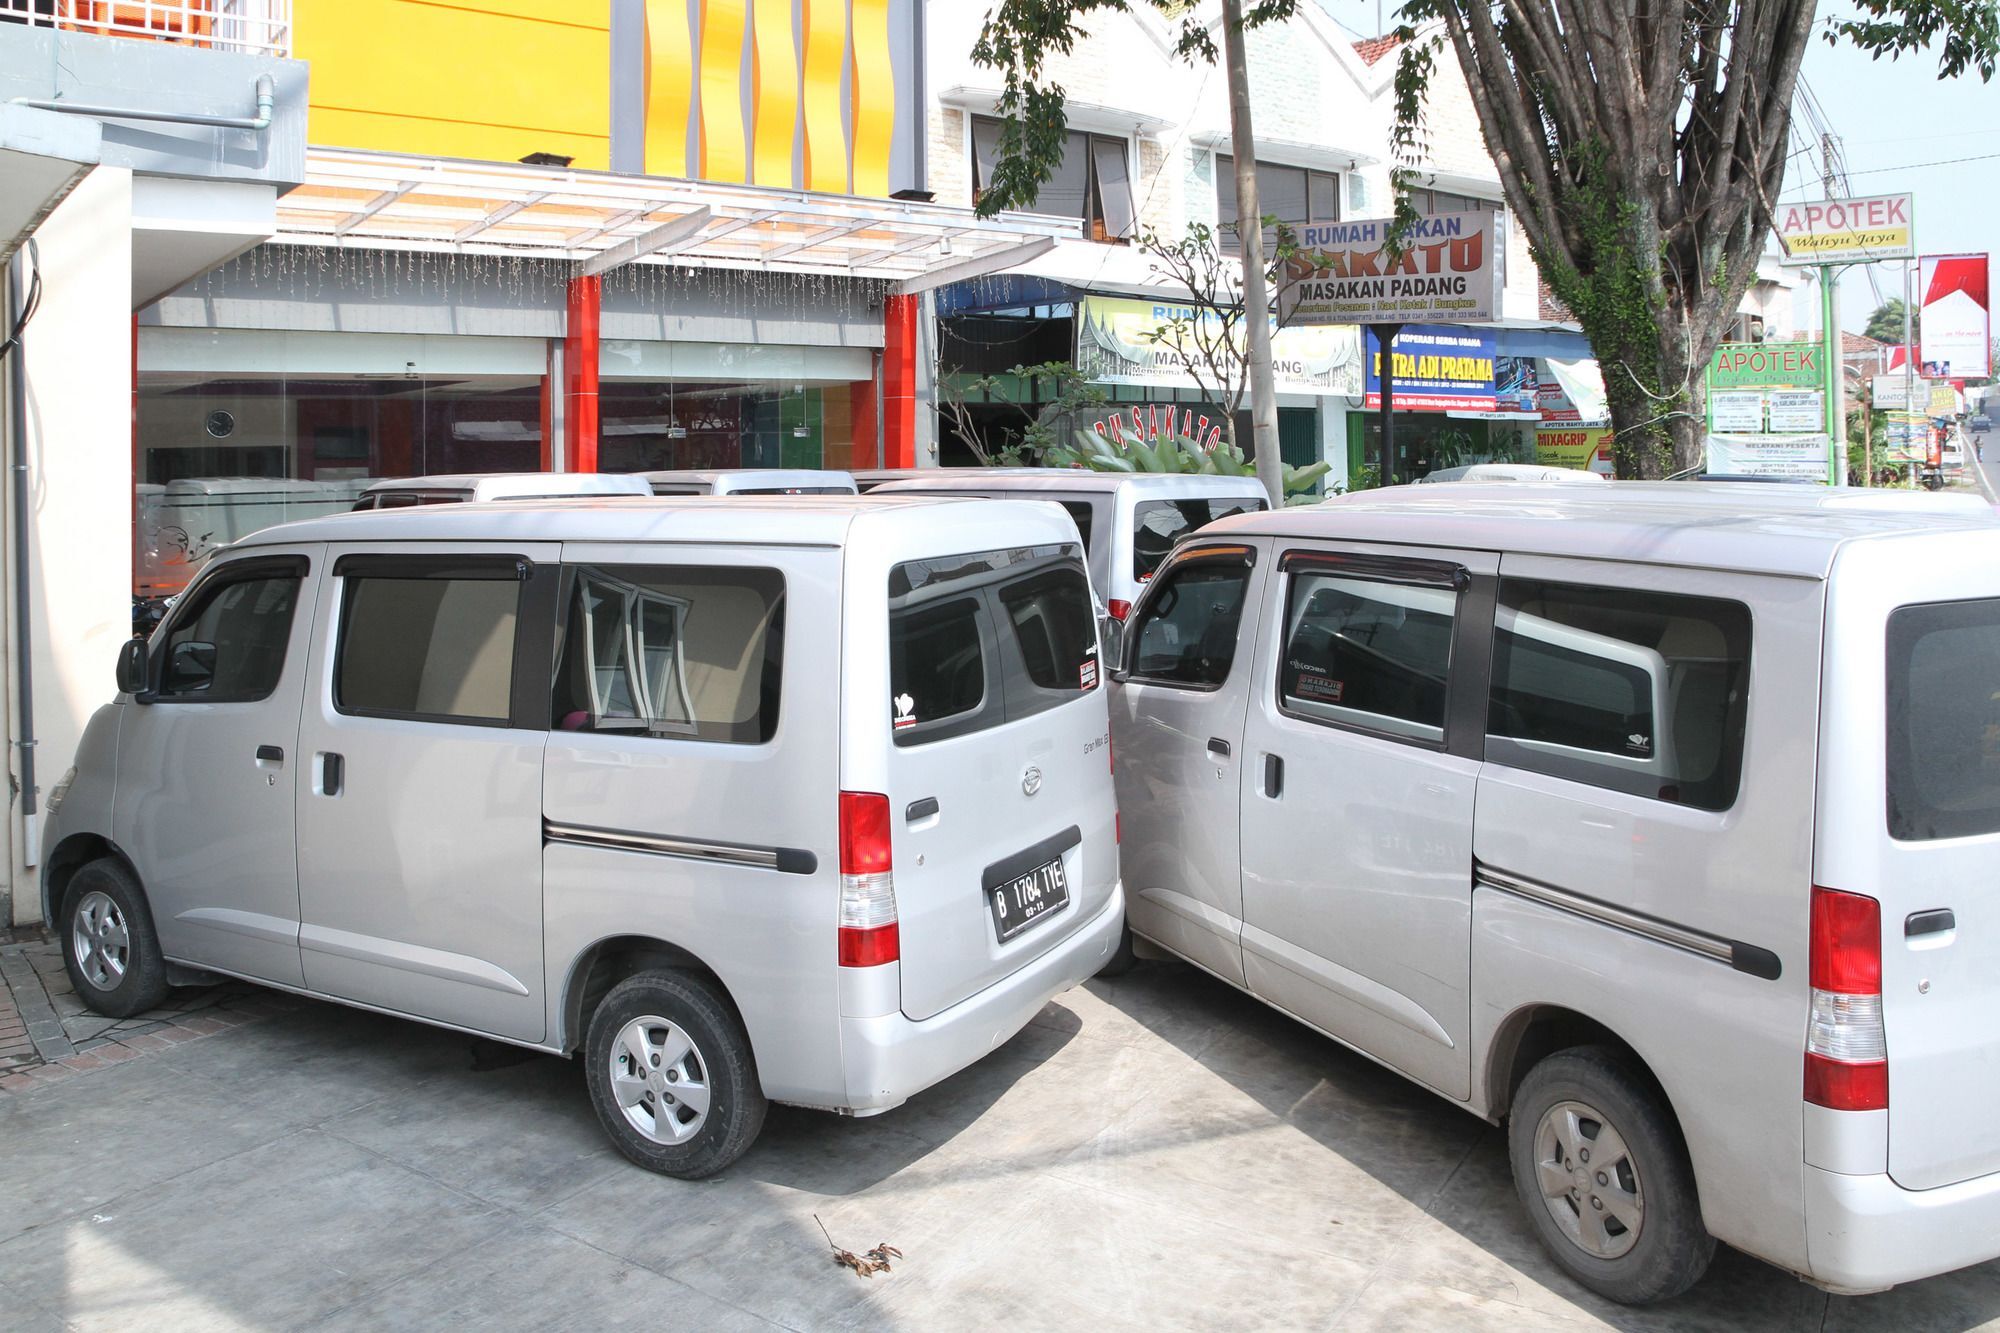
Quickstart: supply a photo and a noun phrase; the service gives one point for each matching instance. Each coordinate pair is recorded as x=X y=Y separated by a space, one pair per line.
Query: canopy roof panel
x=390 y=201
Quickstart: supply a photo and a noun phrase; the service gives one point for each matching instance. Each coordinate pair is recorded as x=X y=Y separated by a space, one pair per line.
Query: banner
x=1125 y=340
x=1768 y=455
x=1452 y=268
x=1574 y=446
x=1767 y=410
x=1847 y=231
x=1438 y=368
x=1956 y=320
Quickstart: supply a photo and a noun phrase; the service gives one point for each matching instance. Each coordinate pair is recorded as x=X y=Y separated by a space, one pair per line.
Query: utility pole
x=1829 y=314
x=1256 y=297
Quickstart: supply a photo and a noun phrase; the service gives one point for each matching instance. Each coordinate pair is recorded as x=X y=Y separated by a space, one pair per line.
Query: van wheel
x=672 y=1076
x=109 y=948
x=1603 y=1173
x=1122 y=959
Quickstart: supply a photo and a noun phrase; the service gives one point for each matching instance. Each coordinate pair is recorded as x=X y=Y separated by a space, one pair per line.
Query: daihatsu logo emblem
x=1031 y=781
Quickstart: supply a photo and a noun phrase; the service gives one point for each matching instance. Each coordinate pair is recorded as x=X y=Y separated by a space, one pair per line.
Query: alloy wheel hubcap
x=100 y=940
x=660 y=1080
x=1589 y=1180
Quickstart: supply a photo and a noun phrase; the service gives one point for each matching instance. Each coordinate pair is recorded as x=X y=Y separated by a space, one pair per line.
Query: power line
x=1913 y=166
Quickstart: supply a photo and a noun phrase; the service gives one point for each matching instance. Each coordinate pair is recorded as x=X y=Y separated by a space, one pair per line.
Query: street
x=1152 y=1152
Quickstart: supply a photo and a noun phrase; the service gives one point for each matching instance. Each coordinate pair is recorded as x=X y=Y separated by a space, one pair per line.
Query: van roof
x=1793 y=530
x=1070 y=479
x=507 y=485
x=789 y=520
x=777 y=476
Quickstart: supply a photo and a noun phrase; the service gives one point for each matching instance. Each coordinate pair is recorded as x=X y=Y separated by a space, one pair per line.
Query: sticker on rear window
x=906 y=711
x=1313 y=683
x=1086 y=674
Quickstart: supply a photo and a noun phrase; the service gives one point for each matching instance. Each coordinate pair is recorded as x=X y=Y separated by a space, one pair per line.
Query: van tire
x=105 y=904
x=1123 y=958
x=720 y=1052
x=1672 y=1249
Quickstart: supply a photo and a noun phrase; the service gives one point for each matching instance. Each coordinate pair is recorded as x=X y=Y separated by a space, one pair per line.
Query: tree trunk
x=1256 y=301
x=1656 y=434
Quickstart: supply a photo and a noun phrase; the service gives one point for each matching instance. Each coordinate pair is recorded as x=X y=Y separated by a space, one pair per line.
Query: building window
x=1292 y=195
x=1444 y=201
x=1093 y=182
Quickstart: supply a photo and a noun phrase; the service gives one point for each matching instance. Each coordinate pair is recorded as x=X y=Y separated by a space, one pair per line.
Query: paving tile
x=531 y=1278
x=520 y=1136
x=76 y=1144
x=345 y=1224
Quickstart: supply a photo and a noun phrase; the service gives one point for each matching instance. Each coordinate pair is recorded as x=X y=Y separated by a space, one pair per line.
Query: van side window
x=979 y=640
x=228 y=644
x=1640 y=692
x=1367 y=653
x=1944 y=720
x=427 y=638
x=1080 y=512
x=1186 y=632
x=1158 y=524
x=688 y=651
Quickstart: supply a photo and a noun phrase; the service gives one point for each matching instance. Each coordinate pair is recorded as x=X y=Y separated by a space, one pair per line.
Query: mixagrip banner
x=1957 y=340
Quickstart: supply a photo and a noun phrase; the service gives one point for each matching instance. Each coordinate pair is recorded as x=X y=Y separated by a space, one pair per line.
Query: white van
x=751 y=481
x=1659 y=828
x=1128 y=521
x=806 y=800
x=411 y=492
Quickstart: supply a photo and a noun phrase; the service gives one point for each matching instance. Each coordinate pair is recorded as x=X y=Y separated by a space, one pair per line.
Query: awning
x=42 y=157
x=391 y=201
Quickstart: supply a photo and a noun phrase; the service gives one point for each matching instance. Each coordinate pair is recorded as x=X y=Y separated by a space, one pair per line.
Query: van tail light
x=1847 y=1051
x=1119 y=608
x=868 y=934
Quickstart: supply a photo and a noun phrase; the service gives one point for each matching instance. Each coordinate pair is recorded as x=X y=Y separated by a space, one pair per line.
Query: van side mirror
x=1111 y=635
x=190 y=668
x=133 y=662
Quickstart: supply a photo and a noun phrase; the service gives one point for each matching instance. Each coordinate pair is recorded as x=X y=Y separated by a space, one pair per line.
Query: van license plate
x=1027 y=899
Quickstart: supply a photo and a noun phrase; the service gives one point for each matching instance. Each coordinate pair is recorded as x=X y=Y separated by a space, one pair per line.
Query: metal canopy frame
x=599 y=221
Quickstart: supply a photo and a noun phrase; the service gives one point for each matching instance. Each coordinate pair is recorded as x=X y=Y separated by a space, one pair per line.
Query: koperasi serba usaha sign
x=1450 y=271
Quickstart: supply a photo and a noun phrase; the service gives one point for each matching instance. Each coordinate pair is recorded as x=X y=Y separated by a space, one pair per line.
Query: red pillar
x=899 y=381
x=586 y=298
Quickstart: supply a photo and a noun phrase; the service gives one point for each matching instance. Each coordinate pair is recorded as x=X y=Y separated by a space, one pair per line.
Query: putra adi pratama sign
x=1451 y=271
x=1846 y=231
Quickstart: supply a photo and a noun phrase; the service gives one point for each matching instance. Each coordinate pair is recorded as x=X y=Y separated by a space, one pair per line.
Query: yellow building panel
x=874 y=99
x=669 y=95
x=723 y=23
x=775 y=80
x=826 y=134
x=486 y=79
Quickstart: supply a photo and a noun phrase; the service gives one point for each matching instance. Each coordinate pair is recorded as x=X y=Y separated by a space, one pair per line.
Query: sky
x=1892 y=119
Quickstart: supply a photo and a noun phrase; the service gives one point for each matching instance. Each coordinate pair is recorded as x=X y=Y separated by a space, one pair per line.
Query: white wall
x=79 y=452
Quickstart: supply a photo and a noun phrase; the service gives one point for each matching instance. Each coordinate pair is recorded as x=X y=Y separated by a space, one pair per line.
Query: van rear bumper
x=1867 y=1233
x=892 y=1058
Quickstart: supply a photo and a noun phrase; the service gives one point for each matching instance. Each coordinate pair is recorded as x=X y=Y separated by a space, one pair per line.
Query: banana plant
x=1180 y=454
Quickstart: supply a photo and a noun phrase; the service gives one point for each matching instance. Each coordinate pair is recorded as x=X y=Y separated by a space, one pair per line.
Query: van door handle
x=1218 y=747
x=1274 y=776
x=332 y=770
x=270 y=754
x=923 y=809
x=1935 y=921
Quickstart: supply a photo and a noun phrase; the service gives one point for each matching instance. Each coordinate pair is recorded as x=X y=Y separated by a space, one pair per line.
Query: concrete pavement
x=1153 y=1152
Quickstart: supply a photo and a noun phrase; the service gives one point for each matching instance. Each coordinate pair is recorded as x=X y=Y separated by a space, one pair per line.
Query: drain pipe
x=17 y=398
x=267 y=96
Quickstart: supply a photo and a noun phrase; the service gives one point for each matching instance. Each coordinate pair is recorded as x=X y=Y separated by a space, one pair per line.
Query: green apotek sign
x=1768 y=366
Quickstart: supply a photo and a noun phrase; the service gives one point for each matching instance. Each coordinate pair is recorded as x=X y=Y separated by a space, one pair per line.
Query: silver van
x=806 y=800
x=750 y=481
x=1128 y=521
x=458 y=488
x=1658 y=821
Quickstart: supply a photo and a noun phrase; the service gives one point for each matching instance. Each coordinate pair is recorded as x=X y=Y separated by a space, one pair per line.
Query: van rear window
x=1158 y=524
x=1944 y=720
x=979 y=640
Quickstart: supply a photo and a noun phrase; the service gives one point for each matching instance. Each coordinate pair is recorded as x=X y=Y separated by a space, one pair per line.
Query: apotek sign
x=1847 y=231
x=1450 y=270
